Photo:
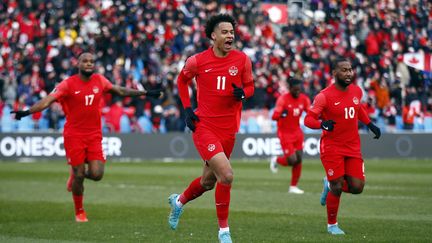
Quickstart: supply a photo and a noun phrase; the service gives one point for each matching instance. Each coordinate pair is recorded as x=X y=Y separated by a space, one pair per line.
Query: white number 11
x=221 y=82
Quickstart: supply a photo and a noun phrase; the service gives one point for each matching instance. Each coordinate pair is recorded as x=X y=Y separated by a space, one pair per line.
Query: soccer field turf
x=130 y=204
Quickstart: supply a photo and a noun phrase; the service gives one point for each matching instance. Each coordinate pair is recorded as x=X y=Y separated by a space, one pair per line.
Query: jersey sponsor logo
x=330 y=172
x=211 y=147
x=208 y=70
x=233 y=70
x=95 y=90
x=355 y=100
x=337 y=103
x=77 y=92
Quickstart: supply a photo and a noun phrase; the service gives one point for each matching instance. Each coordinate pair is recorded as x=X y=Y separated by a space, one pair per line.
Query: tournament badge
x=233 y=70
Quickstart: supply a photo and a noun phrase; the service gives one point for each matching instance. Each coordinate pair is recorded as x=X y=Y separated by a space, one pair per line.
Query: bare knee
x=357 y=188
x=208 y=184
x=336 y=188
x=226 y=178
x=95 y=175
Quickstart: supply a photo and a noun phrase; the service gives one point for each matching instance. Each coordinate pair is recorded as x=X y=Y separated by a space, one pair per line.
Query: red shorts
x=80 y=149
x=209 y=143
x=336 y=166
x=291 y=143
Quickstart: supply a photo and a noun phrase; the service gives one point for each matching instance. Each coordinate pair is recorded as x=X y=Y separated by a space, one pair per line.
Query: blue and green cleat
x=225 y=237
x=335 y=230
x=325 y=192
x=175 y=213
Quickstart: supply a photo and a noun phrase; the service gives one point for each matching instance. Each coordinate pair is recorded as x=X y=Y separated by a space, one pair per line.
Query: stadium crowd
x=145 y=44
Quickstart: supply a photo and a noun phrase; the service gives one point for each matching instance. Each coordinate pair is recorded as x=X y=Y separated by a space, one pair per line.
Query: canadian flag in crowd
x=278 y=13
x=421 y=61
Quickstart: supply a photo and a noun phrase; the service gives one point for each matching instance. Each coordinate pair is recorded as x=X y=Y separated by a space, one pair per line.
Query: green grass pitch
x=130 y=204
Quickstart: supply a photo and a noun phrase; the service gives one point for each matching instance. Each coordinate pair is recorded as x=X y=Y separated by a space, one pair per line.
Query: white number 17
x=89 y=99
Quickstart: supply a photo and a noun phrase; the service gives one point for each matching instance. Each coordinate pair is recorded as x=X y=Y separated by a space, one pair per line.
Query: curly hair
x=215 y=20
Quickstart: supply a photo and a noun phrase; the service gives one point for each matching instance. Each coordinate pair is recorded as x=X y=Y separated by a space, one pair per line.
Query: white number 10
x=221 y=82
x=349 y=112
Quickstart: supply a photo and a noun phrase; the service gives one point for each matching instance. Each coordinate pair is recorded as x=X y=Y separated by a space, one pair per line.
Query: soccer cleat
x=70 y=180
x=335 y=230
x=273 y=165
x=295 y=190
x=175 y=213
x=81 y=217
x=225 y=237
x=325 y=192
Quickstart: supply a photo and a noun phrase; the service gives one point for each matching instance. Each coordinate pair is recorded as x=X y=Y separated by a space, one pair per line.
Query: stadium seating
x=428 y=124
x=125 y=126
x=7 y=122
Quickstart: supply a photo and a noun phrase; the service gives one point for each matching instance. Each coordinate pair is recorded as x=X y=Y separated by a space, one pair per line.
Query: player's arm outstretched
x=122 y=91
x=312 y=119
x=364 y=118
x=41 y=105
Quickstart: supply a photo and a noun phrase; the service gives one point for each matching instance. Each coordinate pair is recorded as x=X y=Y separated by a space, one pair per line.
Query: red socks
x=193 y=191
x=222 y=199
x=296 y=172
x=332 y=203
x=78 y=202
x=282 y=160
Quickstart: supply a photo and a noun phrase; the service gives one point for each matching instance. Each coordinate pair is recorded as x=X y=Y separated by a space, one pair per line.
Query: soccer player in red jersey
x=223 y=78
x=337 y=110
x=287 y=113
x=80 y=96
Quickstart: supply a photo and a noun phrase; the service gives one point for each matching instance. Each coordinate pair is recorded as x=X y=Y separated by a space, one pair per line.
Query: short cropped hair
x=339 y=60
x=294 y=81
x=215 y=20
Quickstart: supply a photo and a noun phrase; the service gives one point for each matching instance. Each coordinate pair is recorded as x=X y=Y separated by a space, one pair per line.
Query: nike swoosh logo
x=208 y=70
x=77 y=92
x=337 y=103
x=325 y=128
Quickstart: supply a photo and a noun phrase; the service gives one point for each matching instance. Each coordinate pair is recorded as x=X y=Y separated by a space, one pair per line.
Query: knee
x=336 y=189
x=79 y=178
x=226 y=178
x=95 y=175
x=357 y=189
x=208 y=184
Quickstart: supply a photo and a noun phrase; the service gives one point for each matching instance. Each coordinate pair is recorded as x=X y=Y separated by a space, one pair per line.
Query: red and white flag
x=278 y=13
x=421 y=61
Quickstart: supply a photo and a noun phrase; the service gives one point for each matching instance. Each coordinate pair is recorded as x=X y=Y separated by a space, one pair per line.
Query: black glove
x=375 y=130
x=238 y=92
x=190 y=118
x=328 y=125
x=156 y=93
x=20 y=114
x=284 y=114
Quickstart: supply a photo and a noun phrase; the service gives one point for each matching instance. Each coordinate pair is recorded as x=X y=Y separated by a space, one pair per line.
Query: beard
x=87 y=74
x=342 y=82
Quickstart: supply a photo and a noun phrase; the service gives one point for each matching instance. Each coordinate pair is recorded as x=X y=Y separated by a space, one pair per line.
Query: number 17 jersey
x=81 y=103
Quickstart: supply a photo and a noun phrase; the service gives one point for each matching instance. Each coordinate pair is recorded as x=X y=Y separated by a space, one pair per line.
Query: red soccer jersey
x=344 y=108
x=295 y=108
x=217 y=108
x=80 y=101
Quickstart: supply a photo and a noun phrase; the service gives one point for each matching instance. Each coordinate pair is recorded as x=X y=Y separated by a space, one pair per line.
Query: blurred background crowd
x=145 y=43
